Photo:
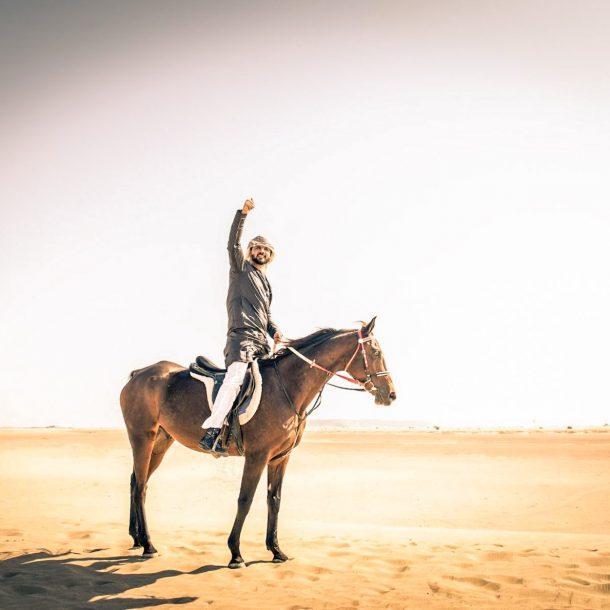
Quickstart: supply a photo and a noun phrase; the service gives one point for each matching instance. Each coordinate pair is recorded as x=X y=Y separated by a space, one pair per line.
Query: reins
x=365 y=386
x=300 y=418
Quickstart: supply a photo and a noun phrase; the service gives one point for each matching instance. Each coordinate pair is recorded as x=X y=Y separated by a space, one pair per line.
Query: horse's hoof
x=237 y=564
x=150 y=553
x=279 y=559
x=135 y=547
x=278 y=556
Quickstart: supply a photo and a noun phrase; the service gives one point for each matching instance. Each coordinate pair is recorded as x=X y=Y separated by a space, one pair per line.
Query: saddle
x=246 y=403
x=205 y=366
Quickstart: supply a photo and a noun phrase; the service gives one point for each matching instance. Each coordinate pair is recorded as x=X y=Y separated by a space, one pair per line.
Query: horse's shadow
x=46 y=581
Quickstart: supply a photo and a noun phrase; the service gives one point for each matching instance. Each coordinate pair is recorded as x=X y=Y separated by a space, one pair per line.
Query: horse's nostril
x=393 y=395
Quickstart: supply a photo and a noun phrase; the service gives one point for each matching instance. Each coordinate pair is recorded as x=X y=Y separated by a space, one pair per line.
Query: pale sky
x=442 y=165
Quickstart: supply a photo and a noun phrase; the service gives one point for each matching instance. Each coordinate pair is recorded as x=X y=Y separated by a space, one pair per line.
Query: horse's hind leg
x=142 y=447
x=162 y=443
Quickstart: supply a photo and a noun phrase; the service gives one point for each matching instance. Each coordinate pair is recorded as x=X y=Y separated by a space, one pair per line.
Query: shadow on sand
x=46 y=581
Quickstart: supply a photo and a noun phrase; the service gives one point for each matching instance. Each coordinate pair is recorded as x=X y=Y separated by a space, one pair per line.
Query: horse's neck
x=304 y=382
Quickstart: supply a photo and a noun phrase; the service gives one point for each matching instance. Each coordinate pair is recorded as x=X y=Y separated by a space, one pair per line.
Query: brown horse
x=162 y=403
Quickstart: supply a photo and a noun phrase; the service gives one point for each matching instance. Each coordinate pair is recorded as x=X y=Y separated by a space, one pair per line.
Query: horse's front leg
x=253 y=468
x=275 y=476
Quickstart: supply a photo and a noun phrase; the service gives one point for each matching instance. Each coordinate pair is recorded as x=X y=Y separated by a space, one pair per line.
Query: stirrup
x=204 y=443
x=218 y=447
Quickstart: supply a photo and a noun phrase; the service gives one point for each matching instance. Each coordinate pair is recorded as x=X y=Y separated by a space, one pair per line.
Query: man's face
x=260 y=254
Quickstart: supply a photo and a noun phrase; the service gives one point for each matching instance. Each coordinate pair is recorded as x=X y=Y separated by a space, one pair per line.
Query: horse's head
x=369 y=367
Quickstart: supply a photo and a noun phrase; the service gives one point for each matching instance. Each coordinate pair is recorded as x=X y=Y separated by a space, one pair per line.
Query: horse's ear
x=369 y=327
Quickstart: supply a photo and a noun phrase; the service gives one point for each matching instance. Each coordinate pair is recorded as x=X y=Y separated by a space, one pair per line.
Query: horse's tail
x=135 y=372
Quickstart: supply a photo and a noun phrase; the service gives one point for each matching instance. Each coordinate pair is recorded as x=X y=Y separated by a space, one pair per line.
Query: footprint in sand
x=478 y=582
x=578 y=581
x=79 y=535
x=11 y=533
x=603 y=588
x=498 y=556
x=597 y=561
x=511 y=580
x=338 y=554
x=198 y=543
x=283 y=574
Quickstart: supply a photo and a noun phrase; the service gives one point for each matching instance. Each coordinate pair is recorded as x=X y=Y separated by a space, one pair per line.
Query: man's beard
x=261 y=259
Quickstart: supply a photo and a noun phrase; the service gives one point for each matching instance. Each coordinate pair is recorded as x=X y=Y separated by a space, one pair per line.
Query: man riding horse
x=248 y=308
x=162 y=403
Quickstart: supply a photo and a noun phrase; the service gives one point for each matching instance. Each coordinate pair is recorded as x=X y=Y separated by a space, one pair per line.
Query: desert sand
x=370 y=520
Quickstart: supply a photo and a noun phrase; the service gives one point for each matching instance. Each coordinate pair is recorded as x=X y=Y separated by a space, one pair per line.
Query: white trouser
x=226 y=395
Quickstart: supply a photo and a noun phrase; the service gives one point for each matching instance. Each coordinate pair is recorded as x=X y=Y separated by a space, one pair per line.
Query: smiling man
x=248 y=307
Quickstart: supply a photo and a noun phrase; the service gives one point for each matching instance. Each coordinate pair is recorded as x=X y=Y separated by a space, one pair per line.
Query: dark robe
x=248 y=304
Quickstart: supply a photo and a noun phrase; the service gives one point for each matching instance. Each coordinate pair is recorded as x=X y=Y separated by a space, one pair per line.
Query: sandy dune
x=372 y=520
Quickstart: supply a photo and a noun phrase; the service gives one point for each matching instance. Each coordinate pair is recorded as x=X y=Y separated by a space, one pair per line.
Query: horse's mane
x=311 y=340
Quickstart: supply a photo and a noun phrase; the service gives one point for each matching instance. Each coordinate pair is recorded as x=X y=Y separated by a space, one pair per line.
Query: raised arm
x=236 y=255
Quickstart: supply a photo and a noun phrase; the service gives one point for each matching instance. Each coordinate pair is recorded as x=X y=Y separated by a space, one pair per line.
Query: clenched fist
x=248 y=205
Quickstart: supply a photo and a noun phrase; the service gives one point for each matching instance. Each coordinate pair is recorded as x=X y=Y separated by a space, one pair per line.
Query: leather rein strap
x=365 y=386
x=300 y=418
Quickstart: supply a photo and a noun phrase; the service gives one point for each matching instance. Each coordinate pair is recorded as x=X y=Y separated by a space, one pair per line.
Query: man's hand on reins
x=278 y=339
x=248 y=205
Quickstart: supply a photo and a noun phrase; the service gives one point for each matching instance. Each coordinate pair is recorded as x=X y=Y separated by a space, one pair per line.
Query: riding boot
x=211 y=443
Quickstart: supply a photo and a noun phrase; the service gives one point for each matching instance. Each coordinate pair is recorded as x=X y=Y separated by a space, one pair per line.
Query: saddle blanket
x=245 y=411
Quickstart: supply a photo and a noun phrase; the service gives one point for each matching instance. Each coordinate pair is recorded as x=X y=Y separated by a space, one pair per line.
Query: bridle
x=365 y=386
